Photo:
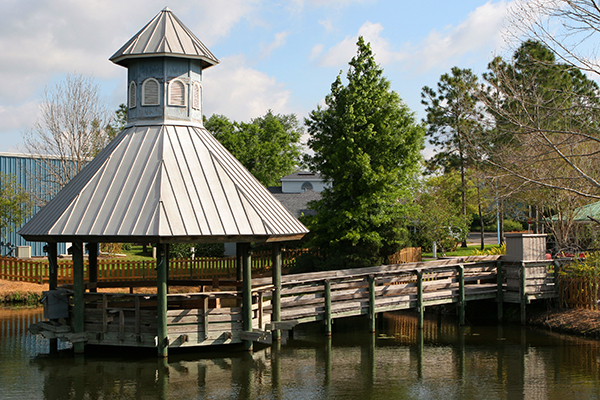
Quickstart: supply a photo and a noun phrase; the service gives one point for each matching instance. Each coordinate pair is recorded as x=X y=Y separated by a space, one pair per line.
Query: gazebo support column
x=78 y=290
x=246 y=293
x=93 y=250
x=53 y=283
x=161 y=294
x=53 y=264
x=276 y=300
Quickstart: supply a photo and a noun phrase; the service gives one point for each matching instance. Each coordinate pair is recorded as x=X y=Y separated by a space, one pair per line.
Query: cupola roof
x=165 y=35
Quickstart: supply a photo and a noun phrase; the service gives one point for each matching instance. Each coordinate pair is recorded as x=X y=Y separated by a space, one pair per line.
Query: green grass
x=461 y=252
x=136 y=253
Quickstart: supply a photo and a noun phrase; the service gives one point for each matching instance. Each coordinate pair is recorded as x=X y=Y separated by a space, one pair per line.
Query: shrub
x=184 y=250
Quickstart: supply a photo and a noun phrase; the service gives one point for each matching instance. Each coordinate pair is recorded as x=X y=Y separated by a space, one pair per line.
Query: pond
x=442 y=361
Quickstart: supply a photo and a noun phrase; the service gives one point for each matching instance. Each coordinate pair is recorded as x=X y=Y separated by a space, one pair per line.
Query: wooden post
x=500 y=290
x=53 y=283
x=372 y=314
x=238 y=256
x=246 y=293
x=461 y=294
x=420 y=307
x=327 y=285
x=93 y=250
x=162 y=262
x=557 y=288
x=78 y=289
x=53 y=266
x=523 y=294
x=276 y=299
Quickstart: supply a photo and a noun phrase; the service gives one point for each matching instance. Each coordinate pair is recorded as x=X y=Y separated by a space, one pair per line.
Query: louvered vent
x=150 y=92
x=196 y=96
x=132 y=94
x=176 y=93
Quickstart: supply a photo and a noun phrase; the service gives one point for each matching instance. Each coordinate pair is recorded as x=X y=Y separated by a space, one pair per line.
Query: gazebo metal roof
x=164 y=183
x=165 y=35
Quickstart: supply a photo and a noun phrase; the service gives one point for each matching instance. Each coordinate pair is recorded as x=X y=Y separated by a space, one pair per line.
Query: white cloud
x=279 y=41
x=18 y=117
x=316 y=51
x=327 y=3
x=346 y=49
x=481 y=31
x=327 y=24
x=50 y=38
x=15 y=121
x=241 y=92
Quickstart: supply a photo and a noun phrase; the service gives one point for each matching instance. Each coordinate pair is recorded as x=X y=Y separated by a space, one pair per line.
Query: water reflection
x=441 y=361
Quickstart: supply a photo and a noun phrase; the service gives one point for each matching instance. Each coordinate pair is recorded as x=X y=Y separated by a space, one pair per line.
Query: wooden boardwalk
x=215 y=316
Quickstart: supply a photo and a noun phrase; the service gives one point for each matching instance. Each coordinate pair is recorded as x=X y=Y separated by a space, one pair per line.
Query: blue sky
x=279 y=55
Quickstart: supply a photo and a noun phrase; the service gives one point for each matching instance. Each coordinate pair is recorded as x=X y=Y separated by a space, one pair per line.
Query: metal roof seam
x=163 y=212
x=80 y=182
x=188 y=172
x=99 y=180
x=156 y=21
x=171 y=177
x=231 y=212
x=251 y=183
x=212 y=195
x=129 y=202
x=253 y=186
x=112 y=178
x=155 y=176
x=200 y=174
x=179 y=40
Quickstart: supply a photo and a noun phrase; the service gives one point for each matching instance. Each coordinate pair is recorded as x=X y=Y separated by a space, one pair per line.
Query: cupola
x=164 y=61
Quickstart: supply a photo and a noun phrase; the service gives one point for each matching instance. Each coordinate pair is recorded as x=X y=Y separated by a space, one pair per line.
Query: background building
x=31 y=175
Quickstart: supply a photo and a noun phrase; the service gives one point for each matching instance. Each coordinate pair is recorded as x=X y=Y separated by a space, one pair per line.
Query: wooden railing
x=114 y=269
x=334 y=294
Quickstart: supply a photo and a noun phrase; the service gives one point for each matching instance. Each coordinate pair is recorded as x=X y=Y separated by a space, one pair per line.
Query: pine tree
x=367 y=144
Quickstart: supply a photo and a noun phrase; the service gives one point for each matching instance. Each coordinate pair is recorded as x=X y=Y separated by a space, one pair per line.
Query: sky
x=281 y=55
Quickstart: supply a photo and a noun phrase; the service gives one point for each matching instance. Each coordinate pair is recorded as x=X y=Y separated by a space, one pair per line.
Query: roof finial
x=167 y=9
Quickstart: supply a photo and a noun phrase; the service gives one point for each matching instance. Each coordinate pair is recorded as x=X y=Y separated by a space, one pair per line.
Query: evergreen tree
x=367 y=144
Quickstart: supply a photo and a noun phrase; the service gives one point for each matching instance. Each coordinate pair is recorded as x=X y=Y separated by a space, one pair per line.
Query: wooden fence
x=579 y=292
x=407 y=255
x=111 y=270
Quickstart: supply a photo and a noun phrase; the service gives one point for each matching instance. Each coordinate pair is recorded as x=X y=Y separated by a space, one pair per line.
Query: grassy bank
x=462 y=252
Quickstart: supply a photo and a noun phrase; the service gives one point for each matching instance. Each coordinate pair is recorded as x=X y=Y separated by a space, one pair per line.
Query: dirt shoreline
x=579 y=322
x=574 y=321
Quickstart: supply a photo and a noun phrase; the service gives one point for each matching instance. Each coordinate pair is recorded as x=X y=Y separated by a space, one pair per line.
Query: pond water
x=442 y=361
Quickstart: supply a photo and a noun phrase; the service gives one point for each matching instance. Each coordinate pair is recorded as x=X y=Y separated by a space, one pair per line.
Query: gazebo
x=164 y=179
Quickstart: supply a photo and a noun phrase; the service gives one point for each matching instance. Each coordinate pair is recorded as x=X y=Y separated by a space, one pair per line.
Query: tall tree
x=546 y=121
x=453 y=119
x=569 y=28
x=15 y=204
x=367 y=144
x=70 y=129
x=268 y=146
x=118 y=123
x=545 y=139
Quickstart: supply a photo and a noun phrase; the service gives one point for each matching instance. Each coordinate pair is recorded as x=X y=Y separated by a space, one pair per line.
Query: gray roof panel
x=165 y=35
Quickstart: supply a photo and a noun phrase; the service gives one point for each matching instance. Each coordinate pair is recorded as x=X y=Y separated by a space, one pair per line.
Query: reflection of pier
x=516 y=366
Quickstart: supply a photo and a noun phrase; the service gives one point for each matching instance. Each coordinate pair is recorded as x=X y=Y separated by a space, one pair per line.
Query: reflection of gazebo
x=164 y=179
